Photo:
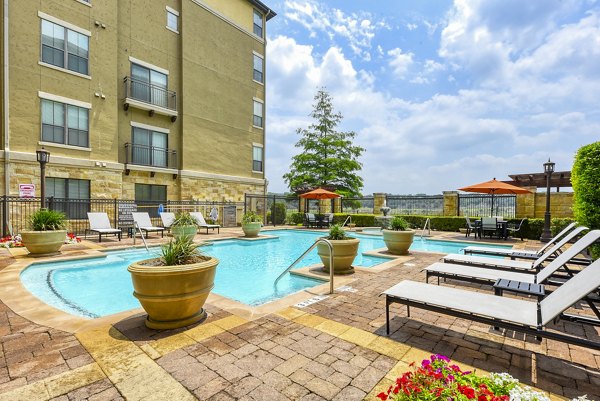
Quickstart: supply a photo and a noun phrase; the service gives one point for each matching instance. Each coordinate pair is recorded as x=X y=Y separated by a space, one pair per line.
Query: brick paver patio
x=334 y=349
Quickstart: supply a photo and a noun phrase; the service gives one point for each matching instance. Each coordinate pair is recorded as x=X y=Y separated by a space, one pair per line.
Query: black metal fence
x=274 y=209
x=426 y=205
x=15 y=212
x=358 y=205
x=481 y=205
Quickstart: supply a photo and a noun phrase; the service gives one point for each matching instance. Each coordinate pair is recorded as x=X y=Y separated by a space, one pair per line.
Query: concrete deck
x=333 y=349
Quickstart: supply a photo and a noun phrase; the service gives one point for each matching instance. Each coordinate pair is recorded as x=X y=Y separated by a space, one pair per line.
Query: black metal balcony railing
x=150 y=94
x=153 y=156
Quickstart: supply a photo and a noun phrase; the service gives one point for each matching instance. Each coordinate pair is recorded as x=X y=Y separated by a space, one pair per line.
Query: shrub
x=336 y=232
x=295 y=218
x=399 y=224
x=251 y=217
x=48 y=220
x=279 y=211
x=361 y=220
x=585 y=177
x=183 y=219
x=180 y=251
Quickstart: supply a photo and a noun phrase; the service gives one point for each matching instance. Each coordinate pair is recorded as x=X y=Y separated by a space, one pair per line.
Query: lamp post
x=546 y=234
x=43 y=157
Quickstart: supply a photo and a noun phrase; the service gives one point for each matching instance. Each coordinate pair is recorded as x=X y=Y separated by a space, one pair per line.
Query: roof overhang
x=263 y=8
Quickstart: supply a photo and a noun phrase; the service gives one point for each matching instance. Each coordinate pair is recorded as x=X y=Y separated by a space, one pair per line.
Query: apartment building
x=134 y=99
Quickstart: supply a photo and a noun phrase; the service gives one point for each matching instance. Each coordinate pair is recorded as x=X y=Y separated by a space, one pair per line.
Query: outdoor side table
x=519 y=287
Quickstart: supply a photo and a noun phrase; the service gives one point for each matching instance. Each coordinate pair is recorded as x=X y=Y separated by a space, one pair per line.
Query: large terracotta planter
x=173 y=296
x=398 y=242
x=251 y=230
x=42 y=242
x=344 y=252
x=184 y=231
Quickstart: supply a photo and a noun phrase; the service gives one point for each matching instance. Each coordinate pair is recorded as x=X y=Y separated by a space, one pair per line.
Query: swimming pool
x=246 y=272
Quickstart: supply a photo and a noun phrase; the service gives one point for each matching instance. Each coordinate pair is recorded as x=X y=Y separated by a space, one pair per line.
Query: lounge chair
x=518 y=253
x=327 y=219
x=143 y=222
x=202 y=223
x=509 y=313
x=513 y=229
x=167 y=219
x=100 y=223
x=534 y=266
x=489 y=276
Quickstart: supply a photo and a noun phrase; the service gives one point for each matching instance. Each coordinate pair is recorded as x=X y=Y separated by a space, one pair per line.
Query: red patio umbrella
x=320 y=193
x=494 y=187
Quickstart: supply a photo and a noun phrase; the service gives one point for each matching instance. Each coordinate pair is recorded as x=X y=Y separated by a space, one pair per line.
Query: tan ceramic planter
x=251 y=230
x=173 y=296
x=42 y=242
x=398 y=242
x=344 y=252
x=184 y=231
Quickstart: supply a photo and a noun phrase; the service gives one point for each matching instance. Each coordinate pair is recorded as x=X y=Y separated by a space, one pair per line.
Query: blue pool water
x=246 y=272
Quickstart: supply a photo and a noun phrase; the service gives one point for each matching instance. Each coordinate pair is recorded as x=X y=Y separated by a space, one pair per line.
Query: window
x=257 y=158
x=64 y=47
x=72 y=196
x=258 y=68
x=172 y=19
x=148 y=197
x=257 y=120
x=149 y=147
x=258 y=24
x=148 y=85
x=54 y=116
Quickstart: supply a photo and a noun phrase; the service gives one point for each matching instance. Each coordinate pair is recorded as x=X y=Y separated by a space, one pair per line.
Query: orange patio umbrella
x=494 y=187
x=320 y=193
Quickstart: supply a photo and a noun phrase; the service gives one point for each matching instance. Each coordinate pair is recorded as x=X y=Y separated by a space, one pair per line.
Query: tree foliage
x=328 y=157
x=585 y=178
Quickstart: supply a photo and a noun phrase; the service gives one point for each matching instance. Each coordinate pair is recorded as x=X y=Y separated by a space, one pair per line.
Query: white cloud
x=400 y=62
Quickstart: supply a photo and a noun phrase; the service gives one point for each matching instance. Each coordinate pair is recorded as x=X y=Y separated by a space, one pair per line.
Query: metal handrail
x=141 y=234
x=428 y=226
x=345 y=221
x=329 y=245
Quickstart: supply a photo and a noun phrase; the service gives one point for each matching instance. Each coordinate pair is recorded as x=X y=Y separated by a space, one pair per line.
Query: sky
x=441 y=94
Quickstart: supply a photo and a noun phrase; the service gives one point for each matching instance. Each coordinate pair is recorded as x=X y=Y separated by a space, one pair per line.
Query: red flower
x=467 y=391
x=382 y=396
x=482 y=398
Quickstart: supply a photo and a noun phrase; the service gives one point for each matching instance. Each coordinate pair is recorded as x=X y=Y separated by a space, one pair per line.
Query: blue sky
x=441 y=93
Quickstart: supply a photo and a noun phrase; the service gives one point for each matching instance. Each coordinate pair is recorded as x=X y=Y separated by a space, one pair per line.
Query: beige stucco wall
x=238 y=11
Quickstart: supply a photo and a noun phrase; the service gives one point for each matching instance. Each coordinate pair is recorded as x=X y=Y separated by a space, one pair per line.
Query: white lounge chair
x=509 y=313
x=489 y=276
x=202 y=223
x=518 y=253
x=167 y=219
x=534 y=266
x=100 y=223
x=143 y=222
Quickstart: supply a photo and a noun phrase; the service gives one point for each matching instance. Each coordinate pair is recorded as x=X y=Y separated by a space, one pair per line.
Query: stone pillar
x=450 y=203
x=337 y=205
x=526 y=204
x=325 y=206
x=378 y=202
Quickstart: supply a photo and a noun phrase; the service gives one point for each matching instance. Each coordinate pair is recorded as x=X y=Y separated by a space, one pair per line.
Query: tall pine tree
x=328 y=157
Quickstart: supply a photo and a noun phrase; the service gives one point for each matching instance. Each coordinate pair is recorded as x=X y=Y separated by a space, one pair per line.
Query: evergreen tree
x=328 y=157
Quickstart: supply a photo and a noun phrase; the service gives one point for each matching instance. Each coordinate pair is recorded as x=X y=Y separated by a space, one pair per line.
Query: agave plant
x=48 y=220
x=180 y=251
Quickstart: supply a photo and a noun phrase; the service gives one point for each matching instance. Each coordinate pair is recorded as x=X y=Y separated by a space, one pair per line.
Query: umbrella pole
x=492 y=212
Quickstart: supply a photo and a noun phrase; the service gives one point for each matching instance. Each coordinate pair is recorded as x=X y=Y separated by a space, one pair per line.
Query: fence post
x=115 y=214
x=458 y=204
x=450 y=203
x=245 y=201
x=51 y=203
x=379 y=199
x=4 y=215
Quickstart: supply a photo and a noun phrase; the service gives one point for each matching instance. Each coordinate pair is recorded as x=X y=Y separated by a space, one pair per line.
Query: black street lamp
x=546 y=234
x=43 y=157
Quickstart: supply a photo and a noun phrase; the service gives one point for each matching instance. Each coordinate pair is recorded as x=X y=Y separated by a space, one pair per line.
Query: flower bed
x=15 y=241
x=438 y=379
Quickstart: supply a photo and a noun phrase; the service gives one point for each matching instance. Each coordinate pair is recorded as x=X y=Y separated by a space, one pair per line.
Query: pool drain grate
x=311 y=301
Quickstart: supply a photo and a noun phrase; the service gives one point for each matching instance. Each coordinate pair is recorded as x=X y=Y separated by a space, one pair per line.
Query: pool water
x=246 y=272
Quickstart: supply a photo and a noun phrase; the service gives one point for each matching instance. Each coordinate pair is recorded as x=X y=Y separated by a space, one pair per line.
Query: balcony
x=150 y=158
x=146 y=96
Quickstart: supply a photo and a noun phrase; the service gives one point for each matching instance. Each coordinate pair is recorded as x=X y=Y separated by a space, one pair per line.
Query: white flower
x=526 y=394
x=503 y=379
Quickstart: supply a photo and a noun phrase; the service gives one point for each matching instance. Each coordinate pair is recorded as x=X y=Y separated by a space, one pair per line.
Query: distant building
x=135 y=99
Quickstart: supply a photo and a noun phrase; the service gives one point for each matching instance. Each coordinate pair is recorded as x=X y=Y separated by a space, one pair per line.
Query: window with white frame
x=64 y=47
x=258 y=74
x=257 y=158
x=172 y=19
x=65 y=124
x=257 y=119
x=258 y=23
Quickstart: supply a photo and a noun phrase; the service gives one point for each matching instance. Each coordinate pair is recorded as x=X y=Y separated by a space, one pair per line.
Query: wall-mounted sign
x=26 y=190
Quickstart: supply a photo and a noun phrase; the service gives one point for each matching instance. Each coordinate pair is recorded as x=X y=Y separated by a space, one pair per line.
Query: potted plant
x=251 y=224
x=48 y=232
x=184 y=225
x=399 y=237
x=345 y=249
x=173 y=288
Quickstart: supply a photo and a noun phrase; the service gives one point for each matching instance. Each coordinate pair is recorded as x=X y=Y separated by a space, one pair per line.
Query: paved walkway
x=333 y=349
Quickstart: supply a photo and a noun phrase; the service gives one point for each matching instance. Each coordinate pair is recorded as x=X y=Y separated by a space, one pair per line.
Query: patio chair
x=327 y=219
x=513 y=229
x=143 y=222
x=489 y=225
x=534 y=266
x=481 y=275
x=518 y=253
x=167 y=219
x=203 y=224
x=100 y=223
x=471 y=228
x=509 y=313
x=310 y=220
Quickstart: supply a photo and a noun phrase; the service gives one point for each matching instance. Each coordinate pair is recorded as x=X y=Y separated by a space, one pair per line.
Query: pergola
x=559 y=179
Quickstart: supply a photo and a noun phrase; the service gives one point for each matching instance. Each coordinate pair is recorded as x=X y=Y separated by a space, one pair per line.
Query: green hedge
x=361 y=220
x=295 y=218
x=585 y=177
